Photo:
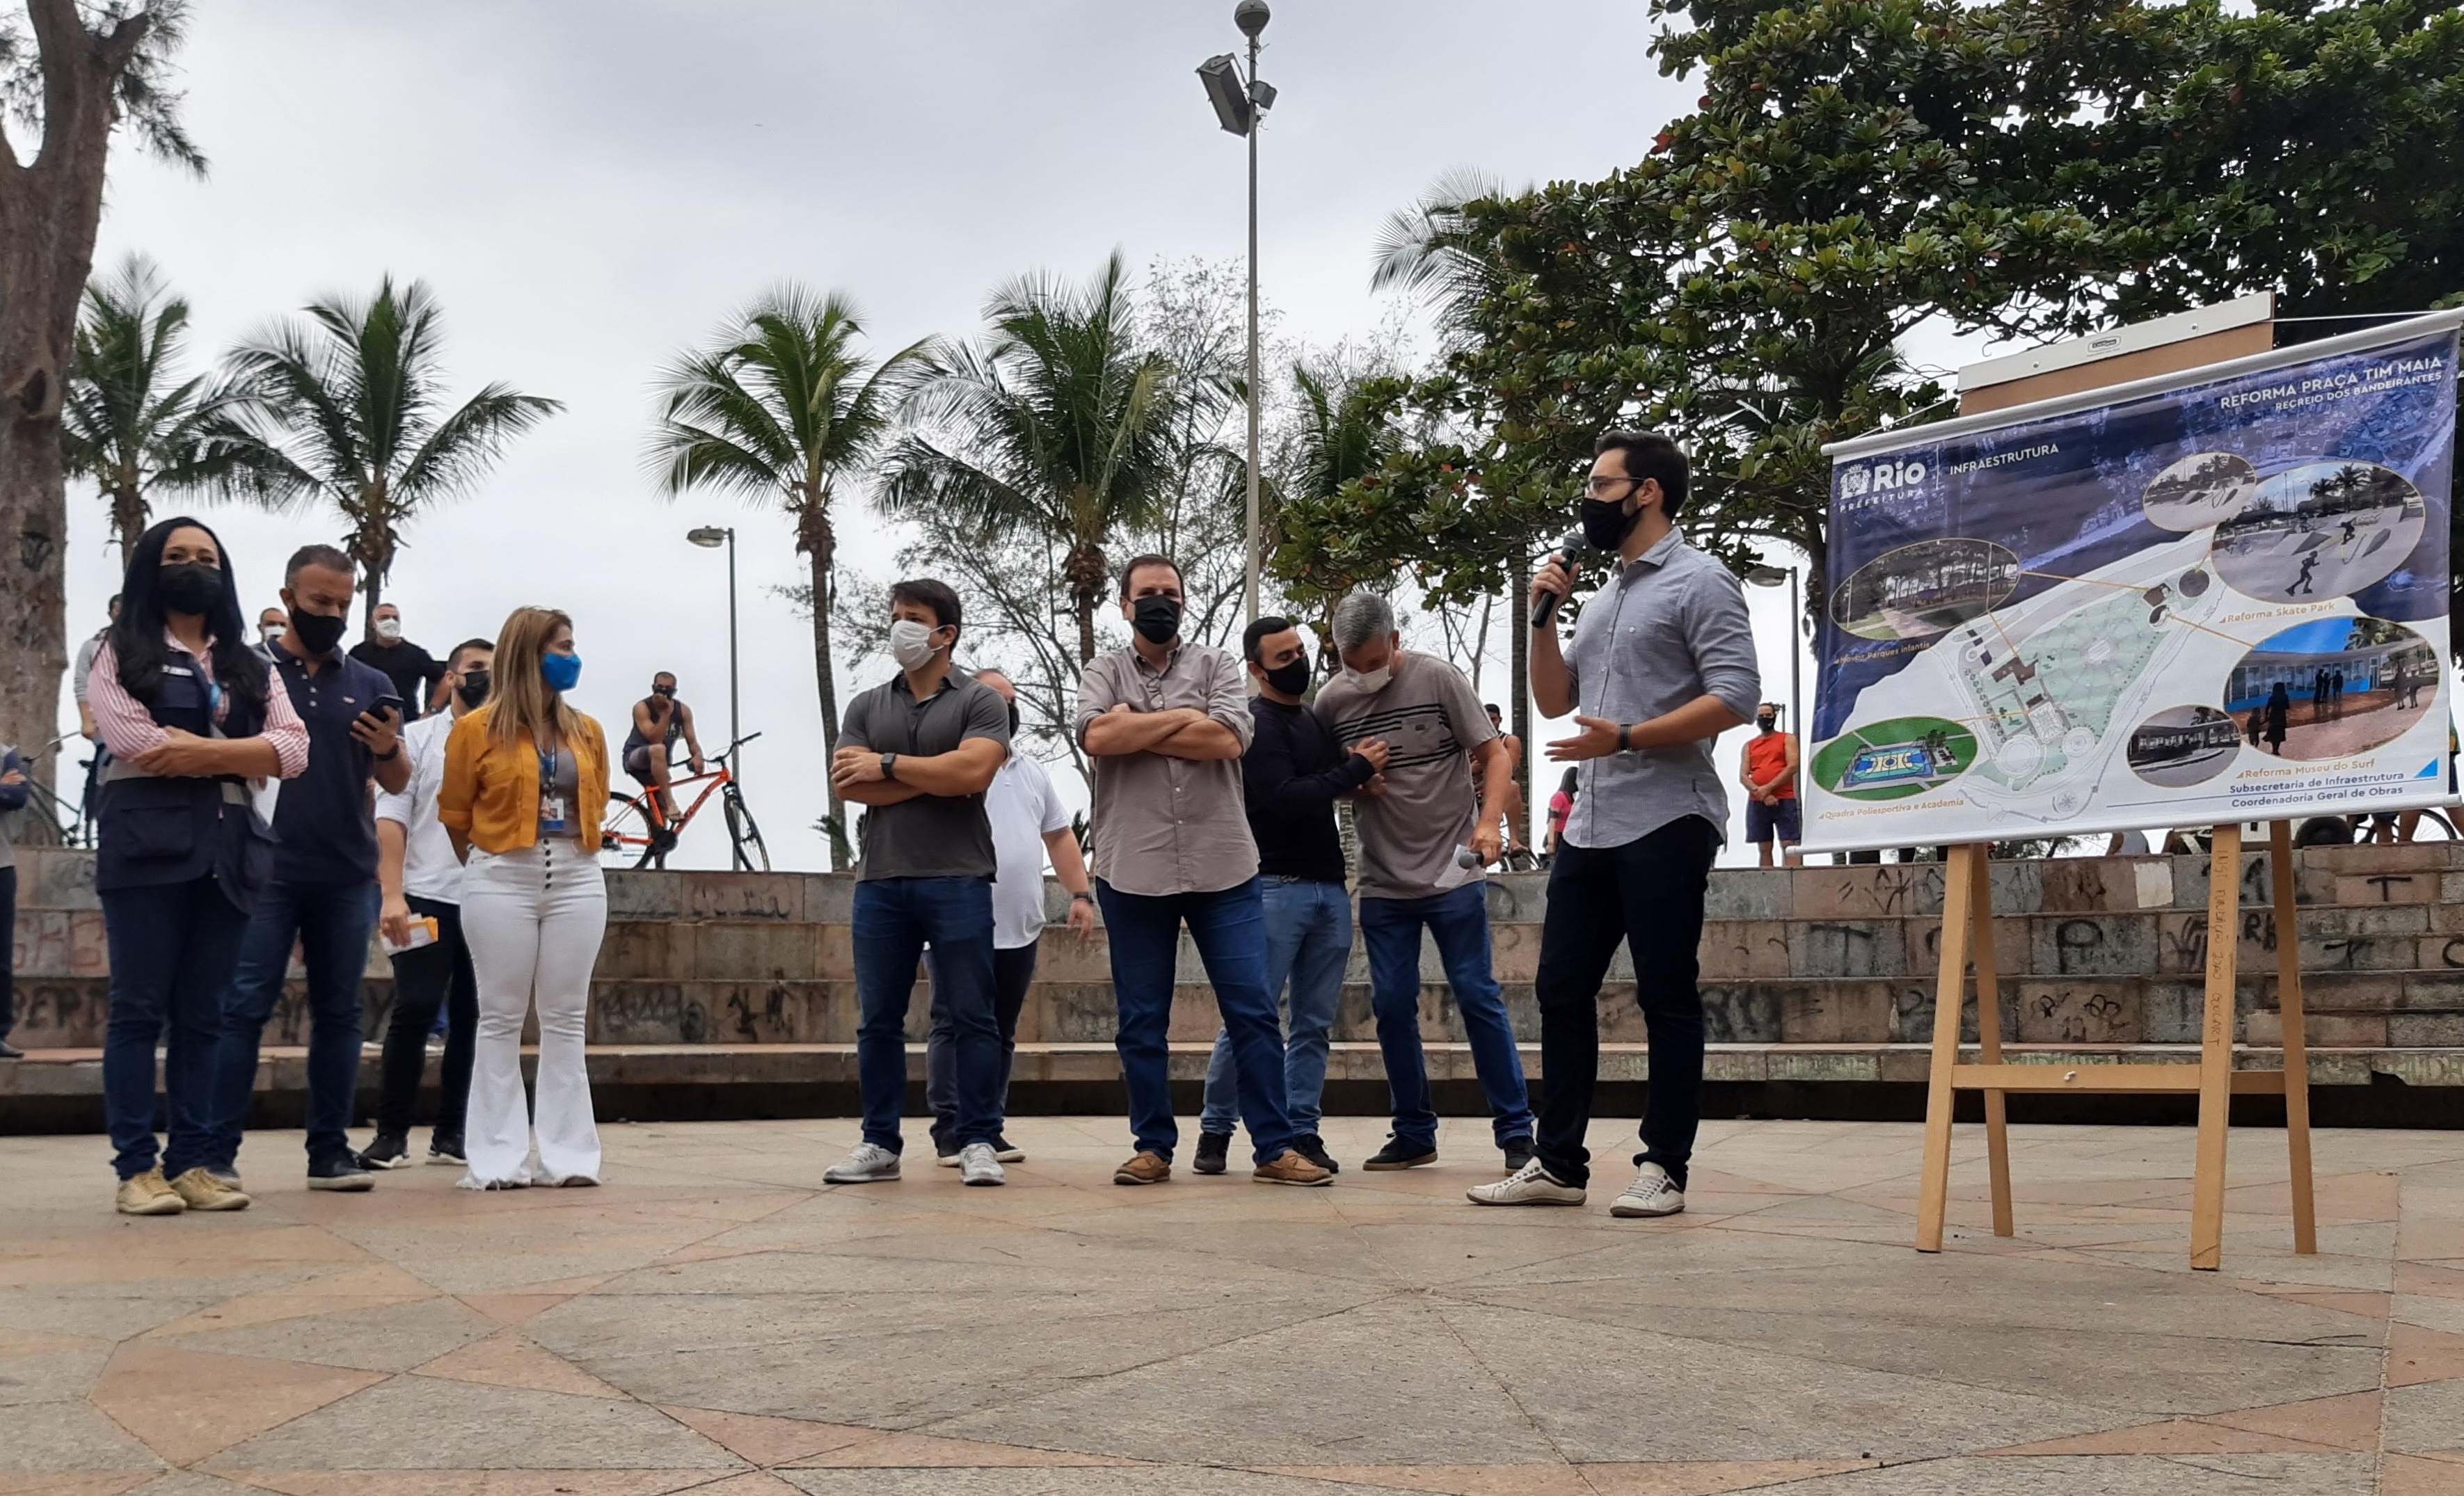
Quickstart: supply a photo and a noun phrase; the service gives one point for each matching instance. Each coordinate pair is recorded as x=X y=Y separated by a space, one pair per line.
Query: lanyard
x=547 y=769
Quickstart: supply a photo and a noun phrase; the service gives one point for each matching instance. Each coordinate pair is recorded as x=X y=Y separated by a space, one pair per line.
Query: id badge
x=552 y=812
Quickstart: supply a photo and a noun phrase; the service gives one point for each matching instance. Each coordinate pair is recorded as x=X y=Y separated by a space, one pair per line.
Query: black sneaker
x=339 y=1172
x=1518 y=1152
x=387 y=1151
x=1214 y=1151
x=1007 y=1151
x=446 y=1148
x=1397 y=1153
x=9 y=1051
x=945 y=1153
x=1312 y=1147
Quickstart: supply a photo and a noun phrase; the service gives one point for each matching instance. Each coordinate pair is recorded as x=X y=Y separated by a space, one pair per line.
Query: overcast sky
x=589 y=189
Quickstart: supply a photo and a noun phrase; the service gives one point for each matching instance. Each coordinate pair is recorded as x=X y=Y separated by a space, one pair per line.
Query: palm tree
x=348 y=408
x=128 y=421
x=1060 y=425
x=1428 y=253
x=1341 y=435
x=780 y=408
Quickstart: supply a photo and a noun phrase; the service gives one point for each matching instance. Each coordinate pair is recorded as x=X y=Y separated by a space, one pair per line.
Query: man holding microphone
x=1662 y=663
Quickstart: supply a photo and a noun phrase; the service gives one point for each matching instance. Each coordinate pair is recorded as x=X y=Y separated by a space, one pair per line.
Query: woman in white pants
x=525 y=775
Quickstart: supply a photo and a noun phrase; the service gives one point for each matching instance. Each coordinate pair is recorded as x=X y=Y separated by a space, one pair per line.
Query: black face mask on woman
x=190 y=588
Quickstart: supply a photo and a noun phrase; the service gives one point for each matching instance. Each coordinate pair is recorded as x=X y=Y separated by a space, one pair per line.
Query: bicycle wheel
x=630 y=828
x=747 y=837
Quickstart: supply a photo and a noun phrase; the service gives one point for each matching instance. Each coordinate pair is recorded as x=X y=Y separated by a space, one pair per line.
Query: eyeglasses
x=1599 y=487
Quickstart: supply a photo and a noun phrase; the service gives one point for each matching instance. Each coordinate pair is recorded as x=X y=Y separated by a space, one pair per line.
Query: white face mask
x=1370 y=681
x=910 y=644
x=389 y=629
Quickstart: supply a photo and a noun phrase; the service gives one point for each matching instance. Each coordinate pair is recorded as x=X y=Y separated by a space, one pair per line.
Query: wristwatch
x=389 y=754
x=1624 y=746
x=1076 y=897
x=889 y=766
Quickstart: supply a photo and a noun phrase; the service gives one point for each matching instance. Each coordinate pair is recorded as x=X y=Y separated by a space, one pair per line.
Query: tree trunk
x=814 y=537
x=1083 y=569
x=130 y=515
x=48 y=213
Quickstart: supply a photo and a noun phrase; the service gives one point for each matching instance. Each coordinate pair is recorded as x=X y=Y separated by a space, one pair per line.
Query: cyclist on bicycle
x=659 y=720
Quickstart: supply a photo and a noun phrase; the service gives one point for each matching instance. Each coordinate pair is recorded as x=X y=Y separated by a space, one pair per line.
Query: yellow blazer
x=491 y=794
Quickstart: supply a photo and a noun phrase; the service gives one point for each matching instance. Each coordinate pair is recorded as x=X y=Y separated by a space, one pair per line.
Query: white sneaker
x=869 y=1165
x=1533 y=1184
x=1649 y=1194
x=977 y=1165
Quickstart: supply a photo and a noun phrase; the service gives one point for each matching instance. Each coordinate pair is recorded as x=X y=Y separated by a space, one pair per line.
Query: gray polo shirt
x=930 y=836
x=1667 y=630
x=1165 y=824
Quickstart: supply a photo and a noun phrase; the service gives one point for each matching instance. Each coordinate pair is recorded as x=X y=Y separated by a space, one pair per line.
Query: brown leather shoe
x=1145 y=1169
x=1291 y=1169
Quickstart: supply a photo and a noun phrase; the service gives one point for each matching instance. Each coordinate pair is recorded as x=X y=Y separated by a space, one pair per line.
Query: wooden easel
x=1967 y=935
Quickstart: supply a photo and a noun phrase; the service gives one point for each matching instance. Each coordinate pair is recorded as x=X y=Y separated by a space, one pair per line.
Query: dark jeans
x=1457 y=920
x=893 y=920
x=1013 y=971
x=435 y=977
x=331 y=922
x=173 y=948
x=9 y=956
x=1647 y=892
x=1229 y=928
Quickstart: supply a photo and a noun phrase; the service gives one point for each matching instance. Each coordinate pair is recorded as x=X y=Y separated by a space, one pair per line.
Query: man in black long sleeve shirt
x=1292 y=776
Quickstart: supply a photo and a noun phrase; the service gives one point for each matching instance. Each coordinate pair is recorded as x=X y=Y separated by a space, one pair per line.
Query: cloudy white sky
x=590 y=188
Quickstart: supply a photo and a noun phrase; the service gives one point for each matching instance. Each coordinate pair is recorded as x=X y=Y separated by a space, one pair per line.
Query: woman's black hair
x=136 y=636
x=1567 y=784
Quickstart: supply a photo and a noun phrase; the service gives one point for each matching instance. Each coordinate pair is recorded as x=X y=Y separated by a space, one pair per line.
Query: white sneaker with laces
x=1651 y=1194
x=977 y=1165
x=1533 y=1184
x=869 y=1165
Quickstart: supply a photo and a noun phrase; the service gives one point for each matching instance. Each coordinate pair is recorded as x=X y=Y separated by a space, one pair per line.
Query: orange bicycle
x=640 y=821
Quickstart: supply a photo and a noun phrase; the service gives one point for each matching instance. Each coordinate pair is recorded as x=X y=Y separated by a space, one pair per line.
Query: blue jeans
x=1458 y=920
x=173 y=950
x=893 y=920
x=1309 y=935
x=1229 y=926
x=331 y=922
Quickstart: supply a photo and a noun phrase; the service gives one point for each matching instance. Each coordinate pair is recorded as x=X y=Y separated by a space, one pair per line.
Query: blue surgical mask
x=563 y=672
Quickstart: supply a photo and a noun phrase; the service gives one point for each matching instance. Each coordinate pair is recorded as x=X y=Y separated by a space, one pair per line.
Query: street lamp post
x=1241 y=102
x=710 y=538
x=1772 y=577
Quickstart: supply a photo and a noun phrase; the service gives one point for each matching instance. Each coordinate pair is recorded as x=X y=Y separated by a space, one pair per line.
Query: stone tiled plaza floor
x=715 y=1320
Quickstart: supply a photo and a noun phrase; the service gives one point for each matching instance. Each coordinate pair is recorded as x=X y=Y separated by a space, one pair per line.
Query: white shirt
x=429 y=870
x=1022 y=808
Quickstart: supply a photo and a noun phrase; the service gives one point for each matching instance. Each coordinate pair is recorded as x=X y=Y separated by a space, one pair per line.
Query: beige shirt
x=1163 y=824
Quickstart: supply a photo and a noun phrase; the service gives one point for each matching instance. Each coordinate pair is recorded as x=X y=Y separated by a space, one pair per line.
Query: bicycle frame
x=712 y=782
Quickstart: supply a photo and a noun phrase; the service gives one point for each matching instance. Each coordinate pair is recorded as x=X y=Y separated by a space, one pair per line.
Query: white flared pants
x=533 y=919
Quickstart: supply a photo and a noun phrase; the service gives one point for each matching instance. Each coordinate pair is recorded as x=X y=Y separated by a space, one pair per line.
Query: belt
x=234 y=793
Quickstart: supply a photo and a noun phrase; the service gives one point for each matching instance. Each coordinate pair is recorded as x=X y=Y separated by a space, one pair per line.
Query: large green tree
x=347 y=411
x=130 y=423
x=71 y=74
x=783 y=407
x=1059 y=424
x=1857 y=167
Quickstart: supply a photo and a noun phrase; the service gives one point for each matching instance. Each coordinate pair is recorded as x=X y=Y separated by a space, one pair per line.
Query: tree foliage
x=782 y=407
x=347 y=410
x=1857 y=167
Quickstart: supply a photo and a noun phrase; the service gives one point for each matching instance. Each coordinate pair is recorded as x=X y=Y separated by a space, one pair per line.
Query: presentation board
x=2217 y=596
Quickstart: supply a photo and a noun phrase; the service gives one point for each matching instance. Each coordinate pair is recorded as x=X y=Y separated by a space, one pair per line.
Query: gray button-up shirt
x=1165 y=824
x=1666 y=630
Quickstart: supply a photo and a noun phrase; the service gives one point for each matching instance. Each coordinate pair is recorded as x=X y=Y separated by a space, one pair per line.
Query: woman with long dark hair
x=186 y=708
x=525 y=779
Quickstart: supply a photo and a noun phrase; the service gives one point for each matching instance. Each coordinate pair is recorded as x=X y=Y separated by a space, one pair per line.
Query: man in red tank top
x=1769 y=773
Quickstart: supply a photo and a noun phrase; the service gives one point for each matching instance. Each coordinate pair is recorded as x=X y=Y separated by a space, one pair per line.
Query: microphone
x=1570 y=542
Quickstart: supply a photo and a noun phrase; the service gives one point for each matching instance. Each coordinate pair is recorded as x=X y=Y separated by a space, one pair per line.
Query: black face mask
x=1156 y=619
x=1013 y=719
x=190 y=588
x=1606 y=525
x=668 y=692
x=318 y=632
x=1766 y=723
x=1292 y=678
x=473 y=690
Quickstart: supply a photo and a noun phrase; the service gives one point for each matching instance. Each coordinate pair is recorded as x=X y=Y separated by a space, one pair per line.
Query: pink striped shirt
x=128 y=728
